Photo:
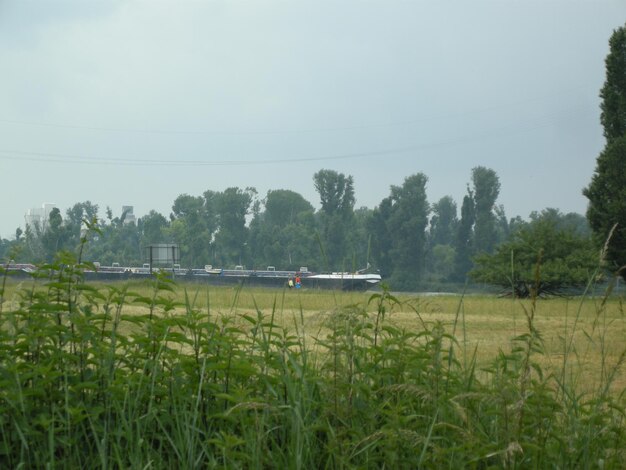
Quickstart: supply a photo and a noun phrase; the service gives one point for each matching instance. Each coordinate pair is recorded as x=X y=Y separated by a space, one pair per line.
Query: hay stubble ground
x=486 y=325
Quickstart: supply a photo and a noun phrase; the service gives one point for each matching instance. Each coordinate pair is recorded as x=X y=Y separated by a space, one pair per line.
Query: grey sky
x=136 y=102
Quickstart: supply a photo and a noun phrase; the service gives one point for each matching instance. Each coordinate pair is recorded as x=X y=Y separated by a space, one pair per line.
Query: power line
x=49 y=157
x=65 y=158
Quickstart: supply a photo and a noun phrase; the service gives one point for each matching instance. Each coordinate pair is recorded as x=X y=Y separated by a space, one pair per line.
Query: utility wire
x=49 y=157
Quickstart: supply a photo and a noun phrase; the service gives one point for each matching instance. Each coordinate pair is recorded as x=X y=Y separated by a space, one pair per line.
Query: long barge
x=270 y=277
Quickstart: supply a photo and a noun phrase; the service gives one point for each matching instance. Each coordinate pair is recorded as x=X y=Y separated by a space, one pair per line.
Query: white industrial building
x=39 y=215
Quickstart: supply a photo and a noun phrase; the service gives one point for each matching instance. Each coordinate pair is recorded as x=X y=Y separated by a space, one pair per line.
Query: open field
x=157 y=374
x=592 y=332
x=595 y=335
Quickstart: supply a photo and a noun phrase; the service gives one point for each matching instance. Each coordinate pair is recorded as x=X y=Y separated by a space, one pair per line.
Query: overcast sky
x=136 y=102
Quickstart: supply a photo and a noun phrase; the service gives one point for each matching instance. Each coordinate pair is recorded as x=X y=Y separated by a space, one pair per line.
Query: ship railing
x=27 y=267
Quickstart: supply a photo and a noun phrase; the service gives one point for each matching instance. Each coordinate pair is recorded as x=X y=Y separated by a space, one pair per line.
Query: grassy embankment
x=162 y=375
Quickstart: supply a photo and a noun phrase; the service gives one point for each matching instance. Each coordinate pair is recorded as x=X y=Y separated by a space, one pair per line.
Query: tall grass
x=86 y=381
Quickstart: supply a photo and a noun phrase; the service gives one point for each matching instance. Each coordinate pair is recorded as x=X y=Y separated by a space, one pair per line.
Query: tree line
x=410 y=241
x=413 y=243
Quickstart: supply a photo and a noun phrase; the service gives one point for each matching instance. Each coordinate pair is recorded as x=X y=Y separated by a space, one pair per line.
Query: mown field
x=161 y=375
x=583 y=327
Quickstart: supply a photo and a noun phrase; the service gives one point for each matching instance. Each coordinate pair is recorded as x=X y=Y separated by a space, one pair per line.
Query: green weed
x=160 y=376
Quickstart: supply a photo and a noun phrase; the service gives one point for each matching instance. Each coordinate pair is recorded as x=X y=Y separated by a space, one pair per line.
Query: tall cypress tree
x=607 y=190
x=464 y=239
x=613 y=93
x=486 y=191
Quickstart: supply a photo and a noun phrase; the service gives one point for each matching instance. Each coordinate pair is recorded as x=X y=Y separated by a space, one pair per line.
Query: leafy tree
x=442 y=262
x=441 y=237
x=210 y=211
x=125 y=244
x=607 y=202
x=186 y=205
x=381 y=241
x=283 y=206
x=443 y=223
x=578 y=223
x=336 y=191
x=406 y=217
x=4 y=250
x=486 y=191
x=515 y=223
x=232 y=207
x=54 y=235
x=152 y=228
x=542 y=257
x=464 y=238
x=189 y=229
x=359 y=239
x=336 y=216
x=613 y=93
x=607 y=190
x=283 y=235
x=571 y=221
x=117 y=242
x=33 y=249
x=12 y=249
x=503 y=227
x=302 y=245
x=74 y=221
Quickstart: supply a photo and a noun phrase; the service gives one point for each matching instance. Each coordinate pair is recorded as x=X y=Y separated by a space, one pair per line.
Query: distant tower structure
x=39 y=216
x=130 y=216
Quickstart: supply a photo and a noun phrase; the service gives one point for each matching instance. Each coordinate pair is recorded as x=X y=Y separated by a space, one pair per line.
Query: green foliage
x=443 y=223
x=282 y=207
x=86 y=383
x=607 y=203
x=613 y=92
x=115 y=242
x=382 y=240
x=232 y=206
x=152 y=228
x=399 y=225
x=464 y=238
x=442 y=261
x=234 y=227
x=482 y=224
x=407 y=224
x=571 y=222
x=283 y=234
x=360 y=240
x=606 y=192
x=486 y=190
x=440 y=248
x=192 y=226
x=566 y=259
x=74 y=225
x=336 y=193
